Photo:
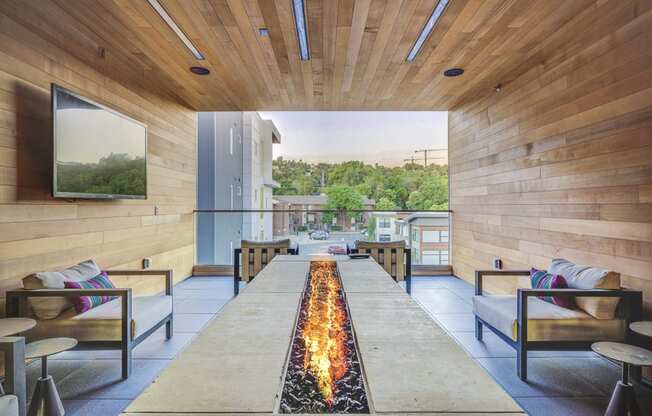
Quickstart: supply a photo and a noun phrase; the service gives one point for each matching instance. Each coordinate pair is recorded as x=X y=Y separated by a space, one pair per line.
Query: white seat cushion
x=103 y=323
x=146 y=311
x=546 y=321
x=9 y=405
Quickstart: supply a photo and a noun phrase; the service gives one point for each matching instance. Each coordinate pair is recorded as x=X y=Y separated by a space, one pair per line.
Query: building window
x=383 y=238
x=434 y=257
x=430 y=236
x=415 y=234
x=384 y=222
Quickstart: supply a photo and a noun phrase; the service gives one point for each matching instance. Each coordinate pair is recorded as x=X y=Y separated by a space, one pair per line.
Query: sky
x=383 y=137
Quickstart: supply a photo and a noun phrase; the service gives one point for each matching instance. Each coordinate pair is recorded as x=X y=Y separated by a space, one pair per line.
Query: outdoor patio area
x=564 y=383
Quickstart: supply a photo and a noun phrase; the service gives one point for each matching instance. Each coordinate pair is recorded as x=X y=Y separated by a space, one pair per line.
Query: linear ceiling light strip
x=427 y=29
x=176 y=29
x=299 y=9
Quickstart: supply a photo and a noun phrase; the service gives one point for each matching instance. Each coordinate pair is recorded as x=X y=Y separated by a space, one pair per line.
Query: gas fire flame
x=324 y=334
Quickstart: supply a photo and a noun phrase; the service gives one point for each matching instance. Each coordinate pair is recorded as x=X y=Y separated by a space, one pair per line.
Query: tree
x=432 y=194
x=342 y=197
x=385 y=203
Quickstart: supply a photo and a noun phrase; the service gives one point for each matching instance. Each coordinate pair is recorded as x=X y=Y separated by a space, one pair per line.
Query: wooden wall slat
x=39 y=233
x=558 y=163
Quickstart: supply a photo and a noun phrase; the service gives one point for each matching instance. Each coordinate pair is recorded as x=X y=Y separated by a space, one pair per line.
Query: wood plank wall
x=558 y=163
x=38 y=233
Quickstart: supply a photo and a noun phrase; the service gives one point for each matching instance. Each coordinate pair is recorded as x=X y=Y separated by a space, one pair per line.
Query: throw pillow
x=85 y=303
x=51 y=307
x=541 y=279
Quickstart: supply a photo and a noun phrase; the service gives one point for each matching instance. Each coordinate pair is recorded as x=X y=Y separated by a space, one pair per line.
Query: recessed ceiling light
x=199 y=70
x=453 y=72
x=176 y=29
x=299 y=9
x=263 y=31
x=427 y=30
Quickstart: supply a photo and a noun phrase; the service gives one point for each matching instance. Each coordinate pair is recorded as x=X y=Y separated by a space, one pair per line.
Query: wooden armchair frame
x=16 y=306
x=632 y=304
x=264 y=251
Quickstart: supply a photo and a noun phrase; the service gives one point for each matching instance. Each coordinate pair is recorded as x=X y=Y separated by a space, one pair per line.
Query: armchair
x=122 y=323
x=529 y=324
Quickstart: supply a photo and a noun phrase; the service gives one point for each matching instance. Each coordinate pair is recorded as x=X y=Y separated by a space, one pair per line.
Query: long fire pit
x=323 y=374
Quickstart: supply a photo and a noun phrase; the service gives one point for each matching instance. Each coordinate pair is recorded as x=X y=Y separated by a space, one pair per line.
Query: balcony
x=549 y=119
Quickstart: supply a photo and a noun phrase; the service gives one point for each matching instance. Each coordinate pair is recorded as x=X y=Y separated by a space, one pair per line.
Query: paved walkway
x=560 y=383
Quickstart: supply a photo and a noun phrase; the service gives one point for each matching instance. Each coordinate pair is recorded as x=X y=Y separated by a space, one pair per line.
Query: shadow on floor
x=560 y=382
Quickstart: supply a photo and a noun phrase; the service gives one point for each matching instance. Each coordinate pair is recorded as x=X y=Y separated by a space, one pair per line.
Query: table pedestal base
x=623 y=401
x=46 y=401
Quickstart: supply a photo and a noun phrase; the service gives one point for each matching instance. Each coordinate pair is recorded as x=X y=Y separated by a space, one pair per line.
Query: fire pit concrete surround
x=238 y=363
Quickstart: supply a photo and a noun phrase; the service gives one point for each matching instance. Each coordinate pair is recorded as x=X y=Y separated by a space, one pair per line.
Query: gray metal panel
x=220 y=175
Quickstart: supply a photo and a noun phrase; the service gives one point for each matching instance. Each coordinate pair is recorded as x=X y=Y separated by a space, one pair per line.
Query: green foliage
x=342 y=197
x=431 y=194
x=385 y=203
x=116 y=174
x=411 y=186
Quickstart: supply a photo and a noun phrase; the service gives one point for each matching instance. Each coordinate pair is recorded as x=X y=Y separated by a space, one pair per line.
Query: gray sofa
x=603 y=311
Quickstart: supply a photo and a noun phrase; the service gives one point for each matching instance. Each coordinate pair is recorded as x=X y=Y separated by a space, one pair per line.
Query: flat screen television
x=98 y=152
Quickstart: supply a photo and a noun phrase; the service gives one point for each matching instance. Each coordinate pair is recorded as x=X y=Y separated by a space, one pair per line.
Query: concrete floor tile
x=105 y=407
x=157 y=347
x=191 y=322
x=490 y=346
x=446 y=306
x=463 y=322
x=567 y=406
x=210 y=306
x=553 y=377
x=101 y=379
x=209 y=293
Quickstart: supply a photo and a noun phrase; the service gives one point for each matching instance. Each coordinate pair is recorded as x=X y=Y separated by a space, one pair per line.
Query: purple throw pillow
x=85 y=303
x=541 y=279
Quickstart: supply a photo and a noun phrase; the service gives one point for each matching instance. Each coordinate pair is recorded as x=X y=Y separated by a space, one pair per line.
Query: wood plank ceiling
x=358 y=48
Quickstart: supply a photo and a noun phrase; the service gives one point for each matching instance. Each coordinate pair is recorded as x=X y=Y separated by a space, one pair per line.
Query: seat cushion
x=585 y=277
x=9 y=405
x=103 y=323
x=51 y=307
x=546 y=322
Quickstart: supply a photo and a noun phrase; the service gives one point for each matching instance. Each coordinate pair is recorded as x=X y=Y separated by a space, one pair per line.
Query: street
x=308 y=246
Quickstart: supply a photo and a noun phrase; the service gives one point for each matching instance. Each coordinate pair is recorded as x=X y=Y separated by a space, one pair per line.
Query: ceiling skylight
x=299 y=8
x=176 y=29
x=427 y=29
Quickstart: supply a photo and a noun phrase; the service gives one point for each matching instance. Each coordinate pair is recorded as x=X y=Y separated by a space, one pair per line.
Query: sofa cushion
x=542 y=280
x=51 y=307
x=103 y=323
x=546 y=321
x=85 y=303
x=585 y=277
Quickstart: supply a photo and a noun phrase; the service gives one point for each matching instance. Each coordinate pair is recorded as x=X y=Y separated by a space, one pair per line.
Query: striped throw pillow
x=541 y=279
x=85 y=303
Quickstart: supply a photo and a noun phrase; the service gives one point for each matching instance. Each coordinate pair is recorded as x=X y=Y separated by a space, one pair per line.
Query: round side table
x=642 y=327
x=623 y=399
x=12 y=326
x=46 y=400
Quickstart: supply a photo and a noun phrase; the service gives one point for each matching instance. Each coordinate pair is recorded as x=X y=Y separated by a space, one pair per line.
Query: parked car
x=319 y=235
x=336 y=249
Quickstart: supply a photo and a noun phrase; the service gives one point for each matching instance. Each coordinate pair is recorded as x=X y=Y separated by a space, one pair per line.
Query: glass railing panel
x=426 y=233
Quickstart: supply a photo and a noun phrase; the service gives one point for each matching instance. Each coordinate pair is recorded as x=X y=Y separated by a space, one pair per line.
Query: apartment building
x=428 y=237
x=234 y=173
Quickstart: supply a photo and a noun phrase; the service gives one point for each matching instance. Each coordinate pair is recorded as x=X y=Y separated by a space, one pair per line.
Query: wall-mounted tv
x=98 y=152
